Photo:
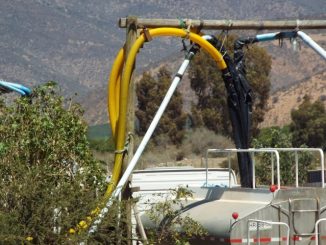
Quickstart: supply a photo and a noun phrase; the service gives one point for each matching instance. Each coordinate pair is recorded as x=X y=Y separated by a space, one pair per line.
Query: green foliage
x=112 y=229
x=211 y=108
x=150 y=93
x=173 y=228
x=102 y=145
x=276 y=137
x=309 y=124
x=101 y=131
x=49 y=179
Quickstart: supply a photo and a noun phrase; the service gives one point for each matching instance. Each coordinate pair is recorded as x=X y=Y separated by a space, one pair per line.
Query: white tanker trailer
x=232 y=214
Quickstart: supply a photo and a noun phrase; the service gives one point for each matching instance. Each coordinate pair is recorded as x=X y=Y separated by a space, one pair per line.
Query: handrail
x=253 y=164
x=295 y=150
x=267 y=222
x=316 y=229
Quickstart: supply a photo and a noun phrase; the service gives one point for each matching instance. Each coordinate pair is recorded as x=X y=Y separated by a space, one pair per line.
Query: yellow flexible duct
x=114 y=90
x=118 y=99
x=119 y=130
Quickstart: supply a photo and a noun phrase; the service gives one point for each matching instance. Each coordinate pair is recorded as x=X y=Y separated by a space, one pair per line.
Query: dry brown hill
x=282 y=102
x=74 y=41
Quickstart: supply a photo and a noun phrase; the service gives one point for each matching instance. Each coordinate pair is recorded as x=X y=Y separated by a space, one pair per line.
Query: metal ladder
x=300 y=218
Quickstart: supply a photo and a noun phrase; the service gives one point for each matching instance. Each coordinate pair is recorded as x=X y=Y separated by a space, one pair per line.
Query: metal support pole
x=229 y=24
x=131 y=37
x=311 y=43
x=140 y=226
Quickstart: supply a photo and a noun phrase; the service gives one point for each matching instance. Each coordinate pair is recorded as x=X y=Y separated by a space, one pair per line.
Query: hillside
x=289 y=68
x=74 y=41
x=282 y=102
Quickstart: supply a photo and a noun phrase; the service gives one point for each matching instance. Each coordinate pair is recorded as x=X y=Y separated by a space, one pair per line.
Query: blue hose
x=276 y=35
x=8 y=87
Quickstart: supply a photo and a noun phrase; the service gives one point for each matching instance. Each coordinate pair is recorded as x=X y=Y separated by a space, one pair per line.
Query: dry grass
x=165 y=154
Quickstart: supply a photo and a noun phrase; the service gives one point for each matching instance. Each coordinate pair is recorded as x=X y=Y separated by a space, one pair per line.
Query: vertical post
x=253 y=170
x=272 y=156
x=229 y=164
x=258 y=232
x=206 y=165
x=296 y=169
x=131 y=37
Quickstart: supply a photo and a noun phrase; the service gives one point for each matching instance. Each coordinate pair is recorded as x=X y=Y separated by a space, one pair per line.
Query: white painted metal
x=159 y=184
x=296 y=169
x=271 y=150
x=319 y=50
x=253 y=170
x=270 y=223
x=164 y=179
x=316 y=229
x=272 y=159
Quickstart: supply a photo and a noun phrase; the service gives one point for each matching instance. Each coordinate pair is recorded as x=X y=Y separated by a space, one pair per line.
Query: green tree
x=211 y=108
x=150 y=93
x=49 y=179
x=309 y=124
x=276 y=137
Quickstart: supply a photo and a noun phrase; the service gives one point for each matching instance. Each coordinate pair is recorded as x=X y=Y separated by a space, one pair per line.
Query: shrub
x=49 y=179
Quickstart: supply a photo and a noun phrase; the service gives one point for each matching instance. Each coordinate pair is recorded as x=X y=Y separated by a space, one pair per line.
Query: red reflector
x=273 y=188
x=235 y=215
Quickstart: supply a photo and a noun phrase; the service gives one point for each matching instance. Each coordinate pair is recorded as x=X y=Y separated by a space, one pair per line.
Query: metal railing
x=257 y=221
x=296 y=150
x=272 y=151
x=316 y=229
x=252 y=151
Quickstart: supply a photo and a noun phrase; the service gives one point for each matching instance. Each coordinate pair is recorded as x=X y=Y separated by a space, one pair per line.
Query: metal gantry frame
x=134 y=25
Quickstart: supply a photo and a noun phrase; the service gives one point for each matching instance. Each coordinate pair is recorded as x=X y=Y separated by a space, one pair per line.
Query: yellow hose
x=114 y=90
x=119 y=120
x=118 y=100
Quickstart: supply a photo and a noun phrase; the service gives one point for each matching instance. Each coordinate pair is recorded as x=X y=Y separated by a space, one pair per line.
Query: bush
x=309 y=124
x=195 y=144
x=197 y=141
x=276 y=137
x=49 y=179
x=172 y=228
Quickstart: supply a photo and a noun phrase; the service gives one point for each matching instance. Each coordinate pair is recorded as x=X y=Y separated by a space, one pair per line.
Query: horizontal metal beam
x=228 y=24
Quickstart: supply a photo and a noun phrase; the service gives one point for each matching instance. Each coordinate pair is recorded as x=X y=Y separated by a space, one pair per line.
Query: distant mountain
x=74 y=41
